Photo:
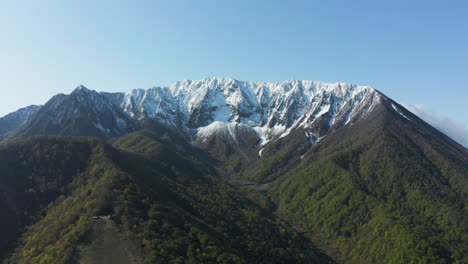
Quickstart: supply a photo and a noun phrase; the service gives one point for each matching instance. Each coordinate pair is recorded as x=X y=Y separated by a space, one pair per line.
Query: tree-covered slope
x=34 y=173
x=209 y=219
x=385 y=190
x=173 y=209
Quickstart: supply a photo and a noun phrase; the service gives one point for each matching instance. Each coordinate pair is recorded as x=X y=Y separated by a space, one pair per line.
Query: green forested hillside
x=381 y=193
x=383 y=190
x=34 y=173
x=207 y=219
x=172 y=210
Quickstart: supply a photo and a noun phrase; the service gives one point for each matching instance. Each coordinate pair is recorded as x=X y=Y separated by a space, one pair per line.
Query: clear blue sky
x=414 y=51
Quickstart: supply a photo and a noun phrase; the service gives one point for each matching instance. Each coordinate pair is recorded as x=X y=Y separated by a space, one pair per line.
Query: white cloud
x=453 y=128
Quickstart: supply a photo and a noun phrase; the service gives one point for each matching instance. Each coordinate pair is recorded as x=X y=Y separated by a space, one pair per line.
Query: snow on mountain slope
x=14 y=120
x=82 y=113
x=273 y=110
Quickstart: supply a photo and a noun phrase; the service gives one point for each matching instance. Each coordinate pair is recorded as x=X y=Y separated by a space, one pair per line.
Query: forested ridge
x=173 y=211
x=382 y=193
x=383 y=190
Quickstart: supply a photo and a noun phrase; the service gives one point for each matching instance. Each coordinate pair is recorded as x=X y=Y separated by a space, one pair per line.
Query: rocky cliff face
x=272 y=110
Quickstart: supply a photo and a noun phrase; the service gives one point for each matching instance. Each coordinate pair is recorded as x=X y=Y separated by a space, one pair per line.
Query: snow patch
x=101 y=128
x=217 y=127
x=319 y=139
x=260 y=152
x=263 y=134
x=222 y=113
x=323 y=110
x=266 y=134
x=398 y=111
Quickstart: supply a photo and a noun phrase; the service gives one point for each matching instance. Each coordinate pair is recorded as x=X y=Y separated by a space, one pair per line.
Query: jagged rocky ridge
x=82 y=113
x=224 y=105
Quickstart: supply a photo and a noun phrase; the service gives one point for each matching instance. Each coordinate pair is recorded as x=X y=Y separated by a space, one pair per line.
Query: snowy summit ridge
x=272 y=110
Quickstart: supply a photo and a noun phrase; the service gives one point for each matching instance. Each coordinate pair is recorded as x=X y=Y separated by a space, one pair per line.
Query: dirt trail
x=107 y=245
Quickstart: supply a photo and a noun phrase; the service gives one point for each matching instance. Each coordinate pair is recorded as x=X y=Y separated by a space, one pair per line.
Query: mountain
x=165 y=208
x=16 y=119
x=389 y=189
x=81 y=113
x=271 y=110
x=236 y=120
x=225 y=171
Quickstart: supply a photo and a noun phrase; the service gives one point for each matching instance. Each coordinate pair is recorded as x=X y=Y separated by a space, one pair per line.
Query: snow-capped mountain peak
x=81 y=87
x=273 y=110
